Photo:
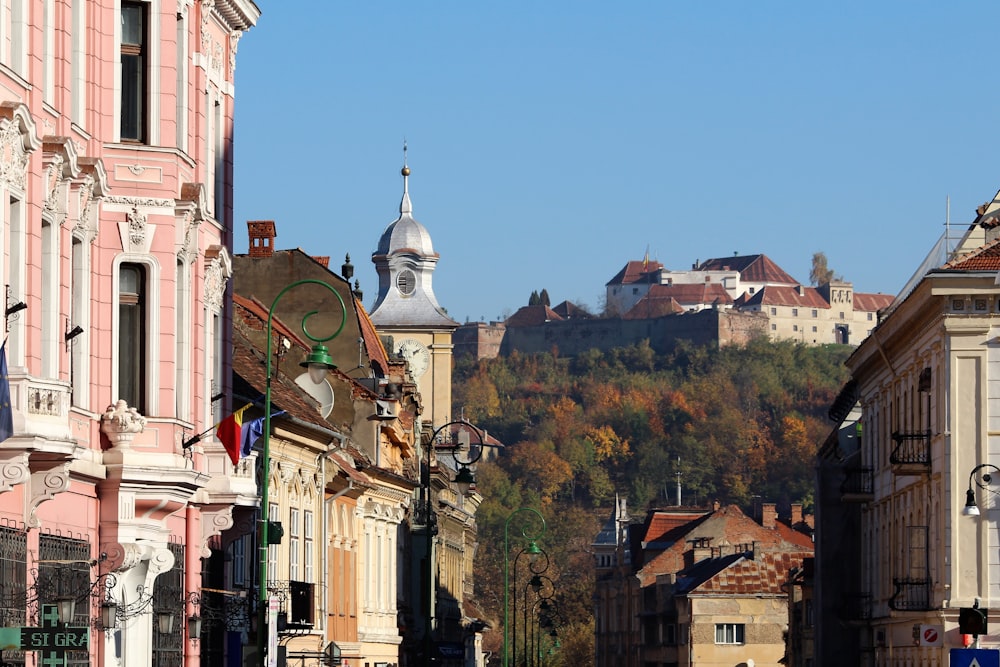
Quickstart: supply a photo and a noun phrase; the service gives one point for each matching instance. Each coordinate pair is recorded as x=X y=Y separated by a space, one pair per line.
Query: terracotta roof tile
x=983 y=258
x=765 y=574
x=752 y=268
x=872 y=302
x=779 y=295
x=532 y=316
x=637 y=272
x=727 y=526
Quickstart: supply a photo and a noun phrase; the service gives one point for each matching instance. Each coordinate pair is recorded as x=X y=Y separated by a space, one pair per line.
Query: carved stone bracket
x=45 y=484
x=214 y=522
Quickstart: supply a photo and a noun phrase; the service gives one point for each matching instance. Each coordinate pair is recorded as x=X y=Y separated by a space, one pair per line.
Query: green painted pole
x=265 y=465
x=506 y=571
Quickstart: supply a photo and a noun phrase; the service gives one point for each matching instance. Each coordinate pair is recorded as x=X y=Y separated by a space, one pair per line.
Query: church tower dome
x=405 y=261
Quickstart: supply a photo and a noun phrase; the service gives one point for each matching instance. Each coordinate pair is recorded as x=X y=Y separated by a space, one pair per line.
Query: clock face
x=416 y=353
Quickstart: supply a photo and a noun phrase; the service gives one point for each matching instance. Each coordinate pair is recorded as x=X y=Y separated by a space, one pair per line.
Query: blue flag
x=6 y=412
x=251 y=434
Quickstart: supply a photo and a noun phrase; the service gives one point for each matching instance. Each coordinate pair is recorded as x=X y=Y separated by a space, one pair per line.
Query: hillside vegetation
x=730 y=424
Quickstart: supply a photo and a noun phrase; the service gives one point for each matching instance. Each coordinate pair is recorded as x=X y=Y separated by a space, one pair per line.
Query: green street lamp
x=535 y=555
x=464 y=481
x=318 y=364
x=532 y=550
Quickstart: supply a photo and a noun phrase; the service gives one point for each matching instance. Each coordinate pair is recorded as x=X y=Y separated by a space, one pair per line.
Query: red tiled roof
x=872 y=303
x=779 y=295
x=725 y=526
x=532 y=316
x=752 y=268
x=984 y=258
x=648 y=308
x=636 y=272
x=661 y=522
x=764 y=574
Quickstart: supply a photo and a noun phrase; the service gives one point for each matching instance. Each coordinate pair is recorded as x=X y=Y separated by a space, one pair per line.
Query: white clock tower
x=407 y=309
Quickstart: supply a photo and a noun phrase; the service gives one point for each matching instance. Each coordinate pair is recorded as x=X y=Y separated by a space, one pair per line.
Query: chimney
x=701 y=548
x=262 y=235
x=801 y=290
x=796 y=514
x=768 y=515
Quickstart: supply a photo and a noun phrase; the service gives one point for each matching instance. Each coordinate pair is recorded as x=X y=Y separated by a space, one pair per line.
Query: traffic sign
x=974 y=657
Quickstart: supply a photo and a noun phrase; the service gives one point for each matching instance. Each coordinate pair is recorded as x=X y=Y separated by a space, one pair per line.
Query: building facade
x=116 y=188
x=925 y=385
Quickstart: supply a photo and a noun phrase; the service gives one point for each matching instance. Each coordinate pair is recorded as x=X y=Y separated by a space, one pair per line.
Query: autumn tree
x=820 y=273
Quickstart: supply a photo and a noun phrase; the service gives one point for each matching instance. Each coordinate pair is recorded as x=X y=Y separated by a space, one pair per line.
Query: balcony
x=911 y=595
x=858 y=485
x=856 y=608
x=912 y=453
x=297 y=606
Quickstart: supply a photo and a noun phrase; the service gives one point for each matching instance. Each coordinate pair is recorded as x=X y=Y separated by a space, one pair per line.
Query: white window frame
x=294 y=543
x=730 y=634
x=152 y=380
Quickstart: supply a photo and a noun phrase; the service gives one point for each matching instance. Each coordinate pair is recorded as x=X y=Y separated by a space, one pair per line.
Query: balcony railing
x=911 y=595
x=856 y=607
x=858 y=485
x=912 y=453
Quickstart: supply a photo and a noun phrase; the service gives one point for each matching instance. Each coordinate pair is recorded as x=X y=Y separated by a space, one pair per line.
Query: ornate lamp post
x=319 y=363
x=543 y=594
x=532 y=537
x=535 y=555
x=464 y=479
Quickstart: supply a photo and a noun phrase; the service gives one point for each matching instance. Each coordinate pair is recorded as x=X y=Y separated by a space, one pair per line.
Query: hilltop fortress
x=719 y=301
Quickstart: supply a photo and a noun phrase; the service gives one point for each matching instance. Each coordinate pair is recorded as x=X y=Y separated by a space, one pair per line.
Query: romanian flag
x=229 y=432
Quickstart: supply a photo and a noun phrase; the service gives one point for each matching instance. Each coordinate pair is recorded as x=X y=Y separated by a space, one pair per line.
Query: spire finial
x=405 y=207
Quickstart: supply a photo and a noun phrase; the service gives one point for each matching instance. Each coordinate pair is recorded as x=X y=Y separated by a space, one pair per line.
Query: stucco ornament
x=121 y=422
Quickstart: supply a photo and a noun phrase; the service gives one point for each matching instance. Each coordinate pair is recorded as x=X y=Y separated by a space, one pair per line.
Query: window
x=841 y=314
x=774 y=311
x=406 y=282
x=307 y=525
x=795 y=327
x=774 y=327
x=273 y=516
x=294 y=544
x=795 y=312
x=239 y=551
x=870 y=316
x=815 y=313
x=728 y=633
x=751 y=290
x=133 y=72
x=814 y=329
x=132 y=335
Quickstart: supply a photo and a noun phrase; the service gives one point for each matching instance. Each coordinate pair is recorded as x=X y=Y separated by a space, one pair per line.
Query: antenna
x=947 y=226
x=678 y=481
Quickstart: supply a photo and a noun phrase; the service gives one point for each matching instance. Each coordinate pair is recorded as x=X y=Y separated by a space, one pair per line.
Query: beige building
x=926 y=382
x=830 y=313
x=696 y=587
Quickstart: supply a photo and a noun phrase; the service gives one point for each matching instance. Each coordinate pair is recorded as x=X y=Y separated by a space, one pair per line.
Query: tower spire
x=405 y=207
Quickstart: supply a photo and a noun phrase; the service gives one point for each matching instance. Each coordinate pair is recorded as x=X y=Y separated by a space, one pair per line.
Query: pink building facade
x=116 y=207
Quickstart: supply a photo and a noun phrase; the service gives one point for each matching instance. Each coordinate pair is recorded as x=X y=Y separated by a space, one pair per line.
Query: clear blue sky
x=551 y=142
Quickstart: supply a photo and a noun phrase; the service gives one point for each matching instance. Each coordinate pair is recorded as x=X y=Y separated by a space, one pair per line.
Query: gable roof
x=637 y=272
x=532 y=316
x=779 y=295
x=752 y=268
x=741 y=574
x=727 y=526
